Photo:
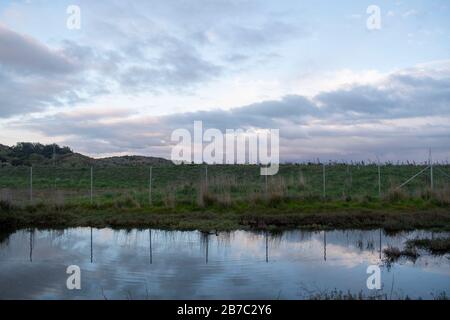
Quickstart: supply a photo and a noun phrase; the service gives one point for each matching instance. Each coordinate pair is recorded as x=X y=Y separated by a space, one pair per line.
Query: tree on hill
x=23 y=150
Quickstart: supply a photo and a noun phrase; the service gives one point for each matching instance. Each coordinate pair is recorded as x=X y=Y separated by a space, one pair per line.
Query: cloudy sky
x=137 y=70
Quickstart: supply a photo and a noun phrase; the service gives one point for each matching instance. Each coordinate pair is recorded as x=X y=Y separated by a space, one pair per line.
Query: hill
x=27 y=154
x=131 y=161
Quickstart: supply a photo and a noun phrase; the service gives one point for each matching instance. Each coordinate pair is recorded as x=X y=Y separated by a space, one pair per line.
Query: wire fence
x=168 y=184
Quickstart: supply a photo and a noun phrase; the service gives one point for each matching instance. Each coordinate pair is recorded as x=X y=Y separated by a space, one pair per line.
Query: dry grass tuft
x=395 y=195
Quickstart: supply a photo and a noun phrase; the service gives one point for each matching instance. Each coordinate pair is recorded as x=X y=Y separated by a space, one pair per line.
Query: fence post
x=92 y=184
x=348 y=179
x=324 y=182
x=431 y=172
x=379 y=180
x=267 y=187
x=31 y=184
x=150 y=187
x=206 y=176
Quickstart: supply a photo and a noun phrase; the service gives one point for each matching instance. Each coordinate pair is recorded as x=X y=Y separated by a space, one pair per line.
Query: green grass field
x=223 y=192
x=184 y=183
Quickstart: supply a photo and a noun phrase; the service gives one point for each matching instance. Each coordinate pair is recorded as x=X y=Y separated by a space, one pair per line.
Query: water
x=154 y=264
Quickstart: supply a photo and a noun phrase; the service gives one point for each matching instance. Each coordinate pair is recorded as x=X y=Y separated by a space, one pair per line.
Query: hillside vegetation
x=37 y=154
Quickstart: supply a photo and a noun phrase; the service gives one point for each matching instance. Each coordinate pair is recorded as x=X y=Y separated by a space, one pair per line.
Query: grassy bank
x=225 y=197
x=286 y=214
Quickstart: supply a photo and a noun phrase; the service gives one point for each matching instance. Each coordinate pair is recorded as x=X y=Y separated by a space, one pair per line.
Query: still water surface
x=155 y=264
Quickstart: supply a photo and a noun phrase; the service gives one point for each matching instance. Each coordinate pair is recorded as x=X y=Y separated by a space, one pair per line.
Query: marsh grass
x=346 y=296
x=281 y=200
x=279 y=196
x=227 y=184
x=352 y=180
x=349 y=296
x=395 y=195
x=6 y=205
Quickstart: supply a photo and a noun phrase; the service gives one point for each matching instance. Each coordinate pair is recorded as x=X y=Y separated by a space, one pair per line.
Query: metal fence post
x=430 y=163
x=31 y=184
x=206 y=176
x=267 y=187
x=150 y=186
x=379 y=180
x=324 y=182
x=431 y=172
x=92 y=184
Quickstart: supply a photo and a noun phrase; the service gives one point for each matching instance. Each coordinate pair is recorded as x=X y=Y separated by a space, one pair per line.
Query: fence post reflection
x=92 y=249
x=31 y=244
x=151 y=252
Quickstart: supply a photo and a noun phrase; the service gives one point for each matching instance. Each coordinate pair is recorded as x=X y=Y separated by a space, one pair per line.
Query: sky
x=137 y=70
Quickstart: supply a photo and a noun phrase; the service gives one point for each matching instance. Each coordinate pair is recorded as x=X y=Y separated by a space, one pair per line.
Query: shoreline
x=327 y=216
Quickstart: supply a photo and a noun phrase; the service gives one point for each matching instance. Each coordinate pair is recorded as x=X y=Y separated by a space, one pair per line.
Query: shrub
x=6 y=205
x=126 y=202
x=395 y=195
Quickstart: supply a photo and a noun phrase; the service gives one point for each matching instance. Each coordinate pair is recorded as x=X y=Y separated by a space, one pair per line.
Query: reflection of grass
x=439 y=246
x=441 y=296
x=393 y=254
x=341 y=295
x=4 y=235
x=435 y=246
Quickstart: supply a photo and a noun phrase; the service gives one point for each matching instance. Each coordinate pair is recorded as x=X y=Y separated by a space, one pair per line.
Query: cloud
x=26 y=55
x=35 y=77
x=23 y=95
x=410 y=13
x=178 y=67
x=169 y=47
x=203 y=54
x=251 y=36
x=73 y=72
x=405 y=94
x=403 y=115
